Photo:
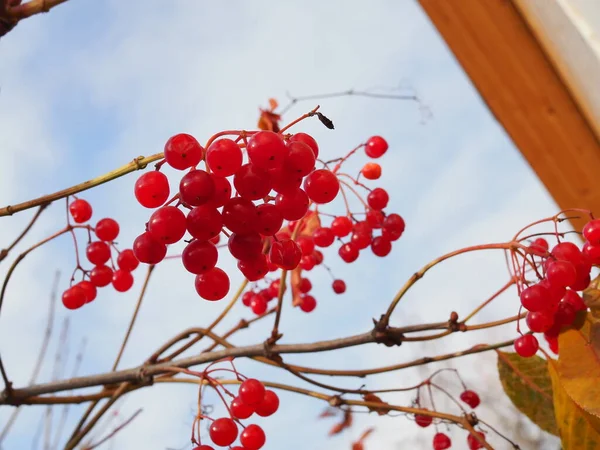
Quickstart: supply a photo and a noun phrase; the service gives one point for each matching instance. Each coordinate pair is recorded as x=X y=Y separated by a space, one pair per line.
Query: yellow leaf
x=527 y=383
x=576 y=433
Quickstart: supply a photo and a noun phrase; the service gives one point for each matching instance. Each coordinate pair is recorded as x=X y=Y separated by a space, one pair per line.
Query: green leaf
x=527 y=383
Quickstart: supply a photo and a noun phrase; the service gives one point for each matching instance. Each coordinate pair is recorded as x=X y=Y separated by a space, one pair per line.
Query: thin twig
x=114 y=432
x=4 y=252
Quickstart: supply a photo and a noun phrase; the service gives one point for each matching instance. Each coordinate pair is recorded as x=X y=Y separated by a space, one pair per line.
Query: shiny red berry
x=381 y=246
x=239 y=409
x=122 y=280
x=423 y=420
x=378 y=199
x=74 y=297
x=371 y=171
x=349 y=252
x=212 y=285
x=535 y=297
x=152 y=189
x=196 y=188
x=148 y=250
x=393 y=227
x=101 y=275
x=323 y=236
x=258 y=304
x=224 y=157
x=239 y=215
x=321 y=186
x=80 y=210
x=252 y=391
x=470 y=398
x=539 y=321
x=339 y=286
x=107 y=229
x=266 y=150
x=473 y=443
x=223 y=432
x=591 y=231
x=252 y=182
x=308 y=140
x=293 y=205
x=204 y=222
x=254 y=269
x=183 y=151
x=268 y=219
x=89 y=289
x=269 y=405
x=98 y=252
x=199 y=257
x=285 y=254
x=441 y=442
x=300 y=159
x=341 y=226
x=253 y=437
x=526 y=345
x=167 y=224
x=375 y=147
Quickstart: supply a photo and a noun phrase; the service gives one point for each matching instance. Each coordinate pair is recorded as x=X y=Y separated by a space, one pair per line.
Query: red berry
x=74 y=297
x=583 y=276
x=539 y=321
x=473 y=443
x=266 y=150
x=80 y=210
x=526 y=345
x=308 y=140
x=307 y=262
x=253 y=437
x=223 y=431
x=269 y=405
x=470 y=398
x=204 y=222
x=274 y=288
x=89 y=289
x=375 y=147
x=361 y=239
x=240 y=410
x=575 y=300
x=323 y=237
x=212 y=285
x=199 y=257
x=381 y=246
x=222 y=191
x=268 y=219
x=224 y=157
x=101 y=275
x=371 y=171
x=393 y=227
x=539 y=246
x=423 y=420
x=183 y=151
x=245 y=246
x=107 y=229
x=308 y=303
x=122 y=280
x=167 y=224
x=285 y=254
x=591 y=231
x=293 y=205
x=561 y=273
x=148 y=250
x=567 y=251
x=555 y=294
x=258 y=304
x=552 y=343
x=252 y=182
x=341 y=226
x=339 y=286
x=196 y=188
x=321 y=186
x=535 y=298
x=375 y=219
x=304 y=285
x=592 y=252
x=98 y=252
x=349 y=252
x=378 y=199
x=247 y=297
x=284 y=181
x=152 y=189
x=300 y=159
x=252 y=391
x=239 y=215
x=441 y=442
x=254 y=269
x=565 y=314
x=306 y=244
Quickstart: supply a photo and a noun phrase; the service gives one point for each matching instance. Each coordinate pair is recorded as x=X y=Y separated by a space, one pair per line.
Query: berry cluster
x=100 y=254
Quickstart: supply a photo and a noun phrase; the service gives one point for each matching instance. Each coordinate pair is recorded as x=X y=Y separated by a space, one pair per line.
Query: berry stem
x=300 y=119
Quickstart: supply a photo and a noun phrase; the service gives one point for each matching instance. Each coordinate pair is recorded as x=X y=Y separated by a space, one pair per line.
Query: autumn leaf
x=273 y=104
x=341 y=426
x=328 y=412
x=358 y=445
x=372 y=398
x=576 y=433
x=527 y=383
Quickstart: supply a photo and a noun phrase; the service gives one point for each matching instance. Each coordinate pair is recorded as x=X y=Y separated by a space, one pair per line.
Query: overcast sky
x=91 y=85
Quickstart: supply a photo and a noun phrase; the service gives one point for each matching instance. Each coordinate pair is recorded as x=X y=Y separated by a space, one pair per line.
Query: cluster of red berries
x=100 y=254
x=252 y=398
x=554 y=301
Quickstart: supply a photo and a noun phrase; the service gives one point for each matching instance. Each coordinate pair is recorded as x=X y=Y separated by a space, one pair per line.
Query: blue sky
x=91 y=85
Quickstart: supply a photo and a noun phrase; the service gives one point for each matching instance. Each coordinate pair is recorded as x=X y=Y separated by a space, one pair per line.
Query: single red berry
x=441 y=442
x=381 y=246
x=254 y=269
x=307 y=262
x=323 y=236
x=167 y=224
x=583 y=276
x=567 y=251
x=212 y=285
x=341 y=226
x=472 y=441
x=526 y=345
x=539 y=246
x=196 y=188
x=224 y=157
x=274 y=288
x=183 y=151
x=300 y=159
x=74 y=297
x=591 y=231
x=268 y=219
x=239 y=409
x=247 y=297
x=423 y=420
x=308 y=140
x=561 y=273
x=565 y=314
x=89 y=289
x=269 y=405
x=378 y=199
x=339 y=286
x=371 y=171
x=306 y=244
x=266 y=150
x=101 y=275
x=470 y=398
x=308 y=303
x=152 y=189
x=204 y=222
x=223 y=432
x=293 y=205
x=122 y=280
x=245 y=246
x=239 y=215
x=199 y=257
x=552 y=343
x=148 y=250
x=222 y=191
x=258 y=304
x=556 y=293
x=304 y=285
x=285 y=254
x=284 y=180
x=375 y=147
x=107 y=229
x=575 y=300
x=375 y=219
x=252 y=182
x=592 y=252
x=253 y=437
x=252 y=391
x=535 y=298
x=80 y=210
x=349 y=252
x=98 y=252
x=321 y=186
x=539 y=321
x=393 y=227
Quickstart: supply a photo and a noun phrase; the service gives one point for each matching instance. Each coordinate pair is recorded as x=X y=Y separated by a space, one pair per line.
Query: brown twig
x=4 y=252
x=113 y=432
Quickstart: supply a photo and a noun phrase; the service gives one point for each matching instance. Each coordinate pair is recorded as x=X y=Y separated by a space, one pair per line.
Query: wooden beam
x=506 y=63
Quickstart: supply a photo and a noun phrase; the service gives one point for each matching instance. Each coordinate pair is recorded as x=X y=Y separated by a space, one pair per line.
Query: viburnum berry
x=204 y=222
x=254 y=269
x=371 y=171
x=423 y=420
x=393 y=227
x=567 y=251
x=239 y=215
x=183 y=151
x=223 y=431
x=441 y=442
x=239 y=409
x=222 y=191
x=269 y=405
x=470 y=398
x=89 y=289
x=323 y=236
x=306 y=244
x=245 y=246
x=339 y=286
x=592 y=252
x=101 y=275
x=362 y=227
x=552 y=343
x=196 y=188
x=321 y=186
x=253 y=437
x=268 y=219
x=378 y=199
x=98 y=252
x=539 y=246
x=284 y=180
x=266 y=150
x=122 y=280
x=381 y=246
x=535 y=297
x=152 y=189
x=148 y=250
x=80 y=210
x=252 y=391
x=308 y=140
x=274 y=288
x=107 y=229
x=252 y=182
x=300 y=158
x=341 y=226
x=258 y=304
x=349 y=252
x=591 y=231
x=199 y=257
x=212 y=285
x=565 y=314
x=307 y=262
x=247 y=297
x=375 y=219
x=361 y=239
x=224 y=157
x=74 y=297
x=375 y=147
x=318 y=256
x=473 y=443
x=556 y=293
x=526 y=345
x=539 y=321
x=304 y=285
x=293 y=205
x=561 y=273
x=308 y=303
x=167 y=224
x=285 y=254
x=575 y=300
